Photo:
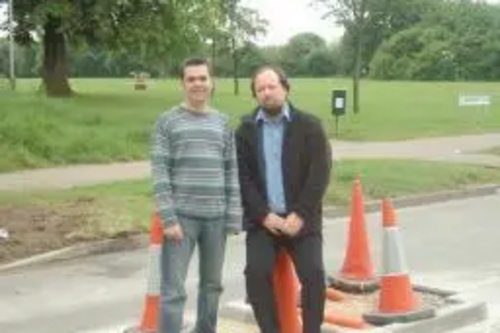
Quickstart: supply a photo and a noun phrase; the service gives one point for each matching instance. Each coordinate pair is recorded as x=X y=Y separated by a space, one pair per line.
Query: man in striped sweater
x=195 y=176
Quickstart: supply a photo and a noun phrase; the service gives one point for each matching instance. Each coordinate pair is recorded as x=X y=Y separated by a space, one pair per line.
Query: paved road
x=450 y=245
x=461 y=149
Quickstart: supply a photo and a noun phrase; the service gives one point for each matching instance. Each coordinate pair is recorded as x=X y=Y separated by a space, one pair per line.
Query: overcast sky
x=299 y=17
x=287 y=18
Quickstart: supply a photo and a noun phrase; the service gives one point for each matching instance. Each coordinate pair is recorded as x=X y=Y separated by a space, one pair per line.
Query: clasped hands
x=278 y=225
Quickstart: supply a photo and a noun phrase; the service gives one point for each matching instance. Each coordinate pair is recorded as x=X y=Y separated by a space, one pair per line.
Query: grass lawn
x=113 y=210
x=109 y=121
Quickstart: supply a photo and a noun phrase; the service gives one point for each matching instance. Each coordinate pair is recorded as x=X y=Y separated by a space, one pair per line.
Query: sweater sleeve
x=161 y=161
x=232 y=186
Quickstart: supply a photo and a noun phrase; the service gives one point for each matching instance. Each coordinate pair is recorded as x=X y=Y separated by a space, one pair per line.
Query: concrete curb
x=240 y=311
x=448 y=294
x=141 y=241
x=447 y=319
x=81 y=250
x=380 y=319
x=456 y=315
x=419 y=199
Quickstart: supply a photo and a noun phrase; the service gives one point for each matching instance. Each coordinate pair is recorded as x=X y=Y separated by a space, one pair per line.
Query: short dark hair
x=281 y=76
x=194 y=61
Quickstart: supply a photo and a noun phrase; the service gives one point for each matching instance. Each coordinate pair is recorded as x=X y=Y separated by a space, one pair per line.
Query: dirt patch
x=356 y=304
x=36 y=229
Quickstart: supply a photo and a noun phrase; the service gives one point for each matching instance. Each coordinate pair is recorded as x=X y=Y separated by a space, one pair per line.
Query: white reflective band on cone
x=154 y=268
x=394 y=262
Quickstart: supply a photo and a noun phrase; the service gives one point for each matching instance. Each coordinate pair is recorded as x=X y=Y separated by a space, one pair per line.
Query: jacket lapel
x=257 y=137
x=287 y=150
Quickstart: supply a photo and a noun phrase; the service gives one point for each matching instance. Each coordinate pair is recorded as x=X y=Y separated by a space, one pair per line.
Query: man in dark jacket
x=284 y=162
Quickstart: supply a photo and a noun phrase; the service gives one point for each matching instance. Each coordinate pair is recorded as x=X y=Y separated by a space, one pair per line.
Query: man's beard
x=272 y=111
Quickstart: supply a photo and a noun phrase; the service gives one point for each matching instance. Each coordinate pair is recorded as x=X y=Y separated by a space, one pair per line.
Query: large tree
x=297 y=50
x=368 y=23
x=4 y=57
x=456 y=41
x=243 y=24
x=152 y=28
x=353 y=16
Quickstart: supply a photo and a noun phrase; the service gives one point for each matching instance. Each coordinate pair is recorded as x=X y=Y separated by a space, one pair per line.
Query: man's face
x=197 y=84
x=269 y=92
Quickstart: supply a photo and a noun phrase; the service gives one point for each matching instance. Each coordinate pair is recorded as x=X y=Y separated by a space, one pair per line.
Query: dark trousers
x=306 y=252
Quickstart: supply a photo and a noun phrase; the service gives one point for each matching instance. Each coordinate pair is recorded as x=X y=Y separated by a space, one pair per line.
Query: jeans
x=210 y=236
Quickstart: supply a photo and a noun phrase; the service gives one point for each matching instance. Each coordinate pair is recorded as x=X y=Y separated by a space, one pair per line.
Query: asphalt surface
x=451 y=246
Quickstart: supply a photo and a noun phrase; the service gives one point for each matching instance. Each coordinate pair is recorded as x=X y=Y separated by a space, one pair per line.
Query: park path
x=467 y=149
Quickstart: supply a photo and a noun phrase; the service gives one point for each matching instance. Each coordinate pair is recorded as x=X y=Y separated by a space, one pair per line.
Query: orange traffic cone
x=397 y=302
x=149 y=321
x=334 y=317
x=286 y=288
x=357 y=273
x=334 y=295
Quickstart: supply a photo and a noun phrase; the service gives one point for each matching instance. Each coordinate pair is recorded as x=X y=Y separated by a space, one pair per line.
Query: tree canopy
x=151 y=29
x=383 y=39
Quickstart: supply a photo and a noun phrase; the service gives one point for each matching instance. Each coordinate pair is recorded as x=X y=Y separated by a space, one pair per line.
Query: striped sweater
x=194 y=167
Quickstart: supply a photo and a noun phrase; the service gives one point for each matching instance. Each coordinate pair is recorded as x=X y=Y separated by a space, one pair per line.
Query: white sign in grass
x=474 y=100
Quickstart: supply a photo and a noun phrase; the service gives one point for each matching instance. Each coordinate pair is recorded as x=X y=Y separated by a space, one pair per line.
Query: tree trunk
x=235 y=79
x=55 y=66
x=357 y=71
x=214 y=52
x=235 y=69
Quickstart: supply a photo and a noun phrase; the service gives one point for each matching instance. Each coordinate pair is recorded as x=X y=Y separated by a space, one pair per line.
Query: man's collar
x=263 y=116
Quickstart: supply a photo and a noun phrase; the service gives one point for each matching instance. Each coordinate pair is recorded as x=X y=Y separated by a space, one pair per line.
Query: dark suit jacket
x=306 y=162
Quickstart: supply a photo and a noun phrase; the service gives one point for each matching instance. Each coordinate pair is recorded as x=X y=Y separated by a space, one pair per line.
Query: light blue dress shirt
x=272 y=139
